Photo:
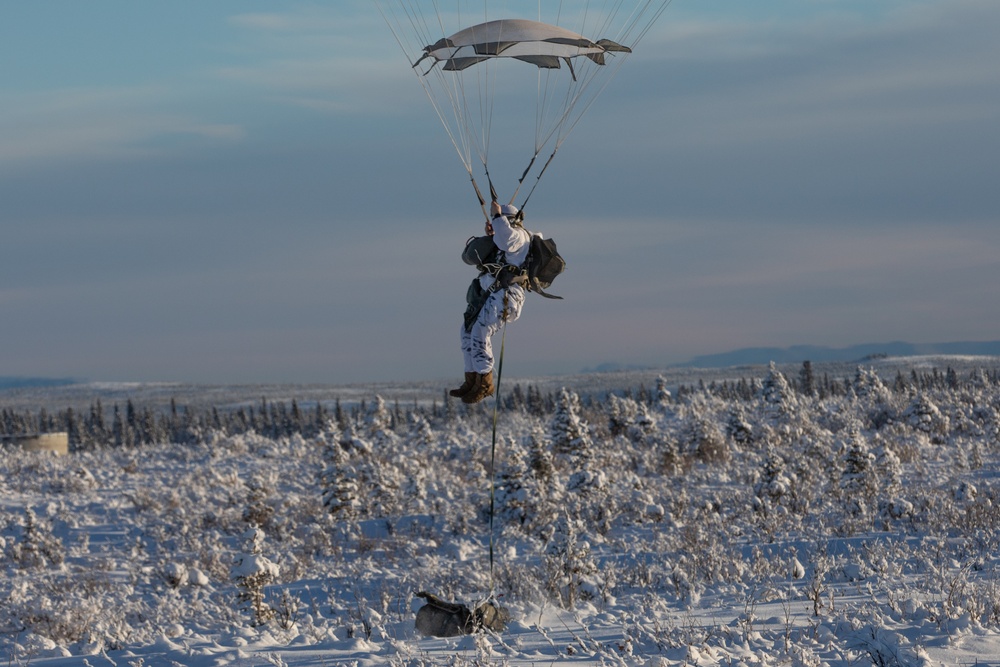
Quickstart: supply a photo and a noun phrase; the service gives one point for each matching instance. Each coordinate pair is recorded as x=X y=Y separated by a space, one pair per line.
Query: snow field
x=750 y=524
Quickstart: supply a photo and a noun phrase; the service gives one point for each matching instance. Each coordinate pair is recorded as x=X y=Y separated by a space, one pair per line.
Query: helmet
x=508 y=210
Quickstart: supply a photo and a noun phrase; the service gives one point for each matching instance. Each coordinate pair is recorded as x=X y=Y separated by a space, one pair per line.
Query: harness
x=492 y=262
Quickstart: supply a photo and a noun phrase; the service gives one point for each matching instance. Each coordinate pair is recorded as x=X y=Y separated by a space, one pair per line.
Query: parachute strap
x=537 y=289
x=506 y=275
x=537 y=178
x=479 y=195
x=492 y=268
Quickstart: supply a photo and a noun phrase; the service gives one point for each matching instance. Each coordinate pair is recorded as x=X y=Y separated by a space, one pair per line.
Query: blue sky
x=259 y=192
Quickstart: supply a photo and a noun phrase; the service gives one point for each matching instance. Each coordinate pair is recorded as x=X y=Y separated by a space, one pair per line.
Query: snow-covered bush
x=571 y=571
x=35 y=546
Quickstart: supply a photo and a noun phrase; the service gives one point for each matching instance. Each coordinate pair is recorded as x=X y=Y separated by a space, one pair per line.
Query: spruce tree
x=539 y=459
x=807 y=383
x=339 y=478
x=252 y=572
x=570 y=433
x=511 y=495
x=776 y=394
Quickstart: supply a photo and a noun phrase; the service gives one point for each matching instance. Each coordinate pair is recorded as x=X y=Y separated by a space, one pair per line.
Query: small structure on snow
x=39 y=442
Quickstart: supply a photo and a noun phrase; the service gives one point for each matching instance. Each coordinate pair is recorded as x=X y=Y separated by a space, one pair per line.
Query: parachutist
x=493 y=298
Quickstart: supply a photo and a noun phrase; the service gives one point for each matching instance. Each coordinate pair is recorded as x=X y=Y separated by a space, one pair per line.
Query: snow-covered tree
x=572 y=572
x=570 y=433
x=892 y=505
x=738 y=427
x=773 y=483
x=421 y=434
x=873 y=397
x=924 y=416
x=339 y=480
x=644 y=429
x=858 y=463
x=258 y=510
x=888 y=468
x=512 y=500
x=701 y=437
x=630 y=418
x=252 y=573
x=663 y=398
x=859 y=479
x=868 y=386
x=807 y=381
x=776 y=395
x=621 y=414
x=377 y=425
x=539 y=459
x=541 y=485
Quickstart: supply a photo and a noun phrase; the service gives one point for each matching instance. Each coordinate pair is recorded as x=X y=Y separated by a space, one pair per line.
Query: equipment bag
x=480 y=250
x=543 y=265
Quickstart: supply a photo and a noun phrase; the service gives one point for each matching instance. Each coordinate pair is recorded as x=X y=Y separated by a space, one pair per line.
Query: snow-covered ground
x=743 y=522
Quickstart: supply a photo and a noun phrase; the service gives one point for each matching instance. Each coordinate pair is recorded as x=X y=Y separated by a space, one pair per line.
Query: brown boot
x=481 y=389
x=470 y=380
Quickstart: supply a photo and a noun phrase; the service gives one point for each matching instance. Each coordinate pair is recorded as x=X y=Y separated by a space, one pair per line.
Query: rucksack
x=543 y=265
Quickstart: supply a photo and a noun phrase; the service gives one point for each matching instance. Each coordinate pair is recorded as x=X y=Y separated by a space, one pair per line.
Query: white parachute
x=539 y=44
x=498 y=68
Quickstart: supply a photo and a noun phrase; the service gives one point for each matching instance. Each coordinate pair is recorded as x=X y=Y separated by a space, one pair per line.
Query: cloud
x=317 y=31
x=330 y=84
x=793 y=78
x=342 y=20
x=270 y=21
x=92 y=123
x=284 y=58
x=827 y=117
x=338 y=60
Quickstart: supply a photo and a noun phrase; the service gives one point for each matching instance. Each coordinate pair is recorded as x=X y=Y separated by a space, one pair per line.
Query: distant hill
x=754 y=356
x=7 y=382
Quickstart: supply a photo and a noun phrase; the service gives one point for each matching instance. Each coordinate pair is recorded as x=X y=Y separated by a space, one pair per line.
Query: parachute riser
x=537 y=178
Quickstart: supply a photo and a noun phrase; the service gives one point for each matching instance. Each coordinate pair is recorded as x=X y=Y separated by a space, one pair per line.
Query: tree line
x=133 y=425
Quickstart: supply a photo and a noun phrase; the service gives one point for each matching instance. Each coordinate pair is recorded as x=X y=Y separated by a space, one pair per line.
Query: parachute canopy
x=539 y=44
x=469 y=56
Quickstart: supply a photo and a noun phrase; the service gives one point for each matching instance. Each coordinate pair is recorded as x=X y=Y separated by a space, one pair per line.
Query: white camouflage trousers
x=477 y=344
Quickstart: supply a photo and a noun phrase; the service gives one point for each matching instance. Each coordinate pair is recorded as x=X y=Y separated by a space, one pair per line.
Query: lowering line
x=493 y=446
